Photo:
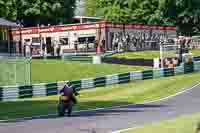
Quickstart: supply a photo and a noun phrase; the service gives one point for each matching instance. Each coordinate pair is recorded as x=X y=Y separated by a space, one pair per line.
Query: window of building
x=35 y=40
x=82 y=40
x=27 y=40
x=3 y=33
x=64 y=41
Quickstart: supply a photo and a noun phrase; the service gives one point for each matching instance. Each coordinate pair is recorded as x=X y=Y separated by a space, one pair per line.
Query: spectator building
x=84 y=37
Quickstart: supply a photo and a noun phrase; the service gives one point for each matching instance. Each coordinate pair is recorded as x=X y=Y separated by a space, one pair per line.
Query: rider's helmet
x=70 y=85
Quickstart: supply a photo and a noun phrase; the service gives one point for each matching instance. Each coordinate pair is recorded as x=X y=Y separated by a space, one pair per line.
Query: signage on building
x=62 y=28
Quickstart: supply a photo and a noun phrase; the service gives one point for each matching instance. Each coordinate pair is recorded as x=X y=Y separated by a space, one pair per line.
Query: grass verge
x=140 y=54
x=134 y=92
x=184 y=124
x=196 y=52
x=58 y=70
x=147 y=54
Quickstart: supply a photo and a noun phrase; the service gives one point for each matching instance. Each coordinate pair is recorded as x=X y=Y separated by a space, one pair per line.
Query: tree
x=183 y=13
x=91 y=7
x=188 y=16
x=33 y=12
x=115 y=10
x=7 y=9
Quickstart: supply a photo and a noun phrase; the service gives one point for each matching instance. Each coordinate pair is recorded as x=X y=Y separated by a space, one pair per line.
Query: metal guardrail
x=87 y=59
x=197 y=58
x=83 y=57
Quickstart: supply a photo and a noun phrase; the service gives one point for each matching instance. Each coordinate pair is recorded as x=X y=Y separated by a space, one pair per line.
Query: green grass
x=147 y=54
x=140 y=54
x=196 y=52
x=134 y=92
x=9 y=70
x=184 y=124
x=42 y=70
x=57 y=70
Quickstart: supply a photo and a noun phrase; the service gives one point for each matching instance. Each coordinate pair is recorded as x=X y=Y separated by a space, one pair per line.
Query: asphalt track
x=108 y=120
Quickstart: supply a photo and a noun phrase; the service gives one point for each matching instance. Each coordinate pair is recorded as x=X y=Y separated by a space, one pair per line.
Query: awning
x=4 y=22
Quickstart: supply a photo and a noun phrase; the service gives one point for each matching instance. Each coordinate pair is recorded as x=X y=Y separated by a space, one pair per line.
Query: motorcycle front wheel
x=61 y=109
x=69 y=108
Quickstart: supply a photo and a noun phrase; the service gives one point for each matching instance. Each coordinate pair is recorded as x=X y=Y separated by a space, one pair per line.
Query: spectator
x=31 y=49
x=128 y=42
x=43 y=48
x=58 y=50
x=76 y=46
x=24 y=49
x=96 y=45
x=103 y=45
x=87 y=44
x=187 y=44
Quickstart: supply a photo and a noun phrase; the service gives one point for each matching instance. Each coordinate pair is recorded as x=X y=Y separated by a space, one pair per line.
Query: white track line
x=162 y=99
x=124 y=130
x=98 y=109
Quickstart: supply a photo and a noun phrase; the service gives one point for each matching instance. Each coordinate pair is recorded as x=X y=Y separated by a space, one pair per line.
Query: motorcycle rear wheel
x=61 y=109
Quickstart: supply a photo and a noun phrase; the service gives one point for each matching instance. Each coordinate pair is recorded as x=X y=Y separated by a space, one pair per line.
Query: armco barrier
x=1 y=94
x=197 y=58
x=168 y=72
x=20 y=92
x=124 y=61
x=76 y=58
x=99 y=82
x=25 y=91
x=124 y=78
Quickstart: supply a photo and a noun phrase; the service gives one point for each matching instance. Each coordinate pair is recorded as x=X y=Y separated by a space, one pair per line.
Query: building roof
x=86 y=17
x=4 y=22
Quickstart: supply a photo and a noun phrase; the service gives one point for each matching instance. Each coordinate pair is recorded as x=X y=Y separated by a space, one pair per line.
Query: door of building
x=49 y=45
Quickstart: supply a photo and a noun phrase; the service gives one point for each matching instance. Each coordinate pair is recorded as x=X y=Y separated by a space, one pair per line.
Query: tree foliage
x=33 y=12
x=91 y=7
x=183 y=13
x=188 y=16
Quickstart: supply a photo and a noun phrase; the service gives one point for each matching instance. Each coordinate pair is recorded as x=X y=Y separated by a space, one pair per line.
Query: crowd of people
x=136 y=40
x=119 y=42
x=182 y=47
x=55 y=49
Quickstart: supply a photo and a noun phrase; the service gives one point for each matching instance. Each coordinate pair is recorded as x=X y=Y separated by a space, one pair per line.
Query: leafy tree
x=188 y=16
x=91 y=7
x=33 y=12
x=183 y=13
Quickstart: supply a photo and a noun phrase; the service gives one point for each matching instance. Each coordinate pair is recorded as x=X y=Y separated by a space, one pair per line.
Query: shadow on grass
x=30 y=110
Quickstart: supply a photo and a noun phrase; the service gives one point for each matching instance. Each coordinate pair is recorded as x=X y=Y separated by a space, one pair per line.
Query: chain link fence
x=195 y=42
x=15 y=70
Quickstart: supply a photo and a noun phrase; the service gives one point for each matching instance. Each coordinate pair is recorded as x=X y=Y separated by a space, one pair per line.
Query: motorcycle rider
x=69 y=91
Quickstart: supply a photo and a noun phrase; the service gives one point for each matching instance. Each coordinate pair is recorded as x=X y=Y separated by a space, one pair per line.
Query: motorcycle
x=65 y=104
